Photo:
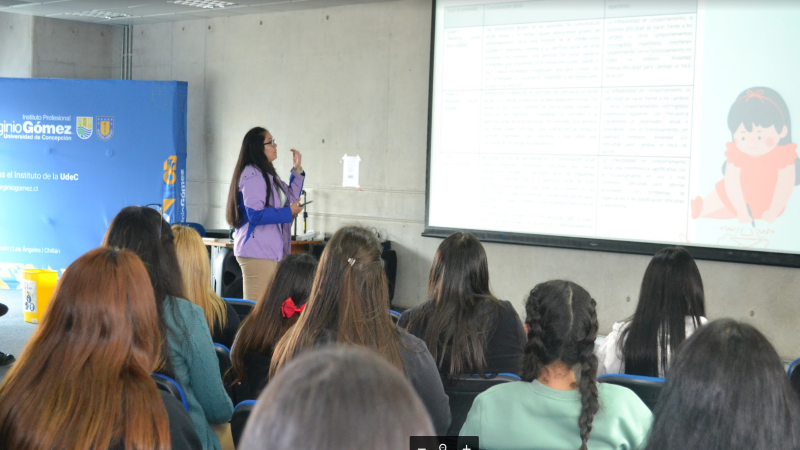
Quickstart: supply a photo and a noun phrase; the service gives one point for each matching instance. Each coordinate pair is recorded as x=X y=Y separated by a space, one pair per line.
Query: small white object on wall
x=350 y=169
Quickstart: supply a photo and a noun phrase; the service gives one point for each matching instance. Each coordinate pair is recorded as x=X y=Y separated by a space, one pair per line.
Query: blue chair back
x=462 y=392
x=224 y=357
x=201 y=230
x=648 y=389
x=171 y=386
x=395 y=316
x=794 y=375
x=240 y=415
x=242 y=307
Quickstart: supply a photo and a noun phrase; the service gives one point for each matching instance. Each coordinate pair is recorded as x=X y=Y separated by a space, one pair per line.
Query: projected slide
x=631 y=120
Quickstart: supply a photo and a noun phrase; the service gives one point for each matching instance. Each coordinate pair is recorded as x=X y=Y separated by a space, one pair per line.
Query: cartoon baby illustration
x=760 y=167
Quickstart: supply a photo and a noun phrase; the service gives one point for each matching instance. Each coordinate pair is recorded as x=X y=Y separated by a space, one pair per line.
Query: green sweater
x=197 y=369
x=531 y=416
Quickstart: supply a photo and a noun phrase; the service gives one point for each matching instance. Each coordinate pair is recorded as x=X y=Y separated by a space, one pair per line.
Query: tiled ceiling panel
x=125 y=12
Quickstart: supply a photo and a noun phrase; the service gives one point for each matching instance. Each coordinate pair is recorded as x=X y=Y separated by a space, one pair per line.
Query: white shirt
x=609 y=356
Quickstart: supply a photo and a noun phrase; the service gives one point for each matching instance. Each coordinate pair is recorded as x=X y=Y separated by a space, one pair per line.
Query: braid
x=534 y=351
x=588 y=380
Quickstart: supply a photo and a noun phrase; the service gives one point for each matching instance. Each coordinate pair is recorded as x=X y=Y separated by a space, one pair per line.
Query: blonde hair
x=193 y=261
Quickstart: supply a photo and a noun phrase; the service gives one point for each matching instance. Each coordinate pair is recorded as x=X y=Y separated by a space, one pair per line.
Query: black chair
x=224 y=357
x=647 y=388
x=172 y=387
x=794 y=375
x=462 y=393
x=241 y=306
x=226 y=274
x=240 y=415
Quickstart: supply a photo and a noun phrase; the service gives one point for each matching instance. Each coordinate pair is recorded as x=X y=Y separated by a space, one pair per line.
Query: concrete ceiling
x=127 y=12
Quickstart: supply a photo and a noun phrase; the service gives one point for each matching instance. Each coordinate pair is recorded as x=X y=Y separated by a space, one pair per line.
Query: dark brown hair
x=360 y=401
x=460 y=307
x=562 y=326
x=349 y=301
x=672 y=290
x=83 y=381
x=251 y=154
x=262 y=329
x=726 y=389
x=137 y=228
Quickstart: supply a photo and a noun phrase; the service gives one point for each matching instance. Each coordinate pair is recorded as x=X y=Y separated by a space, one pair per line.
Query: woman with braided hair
x=558 y=406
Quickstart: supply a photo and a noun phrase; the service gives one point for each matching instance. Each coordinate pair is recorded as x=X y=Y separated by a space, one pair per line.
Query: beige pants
x=256 y=275
x=223 y=431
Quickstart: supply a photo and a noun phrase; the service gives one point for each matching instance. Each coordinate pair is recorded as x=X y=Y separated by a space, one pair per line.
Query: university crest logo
x=84 y=127
x=105 y=127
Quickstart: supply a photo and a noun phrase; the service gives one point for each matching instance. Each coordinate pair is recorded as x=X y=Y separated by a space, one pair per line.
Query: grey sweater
x=421 y=371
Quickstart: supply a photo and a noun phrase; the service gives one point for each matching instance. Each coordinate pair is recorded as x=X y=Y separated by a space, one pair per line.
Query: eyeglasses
x=157 y=207
x=272 y=143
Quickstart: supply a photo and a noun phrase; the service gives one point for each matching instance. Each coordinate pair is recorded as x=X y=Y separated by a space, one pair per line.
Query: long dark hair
x=337 y=398
x=83 y=381
x=137 y=229
x=460 y=306
x=251 y=154
x=262 y=329
x=562 y=326
x=726 y=389
x=349 y=300
x=671 y=291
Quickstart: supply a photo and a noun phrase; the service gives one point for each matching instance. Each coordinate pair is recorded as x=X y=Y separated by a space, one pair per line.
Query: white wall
x=355 y=80
x=16 y=31
x=71 y=49
x=52 y=48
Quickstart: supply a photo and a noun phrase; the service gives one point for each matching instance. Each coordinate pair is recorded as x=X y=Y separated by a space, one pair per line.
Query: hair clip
x=351 y=261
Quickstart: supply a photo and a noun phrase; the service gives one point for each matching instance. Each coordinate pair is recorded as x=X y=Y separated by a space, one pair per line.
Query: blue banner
x=75 y=152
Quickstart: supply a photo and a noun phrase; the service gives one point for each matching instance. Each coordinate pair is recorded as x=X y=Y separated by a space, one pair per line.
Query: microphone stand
x=305 y=213
x=305 y=216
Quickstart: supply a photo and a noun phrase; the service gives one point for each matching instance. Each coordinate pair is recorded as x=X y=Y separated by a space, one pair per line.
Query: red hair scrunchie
x=288 y=309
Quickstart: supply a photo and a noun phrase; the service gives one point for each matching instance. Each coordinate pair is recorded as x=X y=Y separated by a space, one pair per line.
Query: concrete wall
x=16 y=32
x=71 y=49
x=355 y=80
x=51 y=48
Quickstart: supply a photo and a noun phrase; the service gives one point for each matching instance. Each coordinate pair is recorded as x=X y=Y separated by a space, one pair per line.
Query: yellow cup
x=37 y=289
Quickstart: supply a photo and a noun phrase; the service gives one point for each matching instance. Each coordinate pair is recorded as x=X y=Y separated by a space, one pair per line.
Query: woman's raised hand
x=297 y=161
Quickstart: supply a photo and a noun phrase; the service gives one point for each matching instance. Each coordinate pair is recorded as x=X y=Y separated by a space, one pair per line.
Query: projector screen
x=617 y=125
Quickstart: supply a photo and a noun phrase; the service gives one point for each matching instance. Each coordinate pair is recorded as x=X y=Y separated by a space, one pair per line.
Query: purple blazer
x=265 y=231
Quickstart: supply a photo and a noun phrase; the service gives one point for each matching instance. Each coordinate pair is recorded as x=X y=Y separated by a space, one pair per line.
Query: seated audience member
x=560 y=405
x=467 y=329
x=83 y=381
x=5 y=358
x=278 y=310
x=671 y=306
x=360 y=402
x=726 y=390
x=187 y=352
x=349 y=304
x=223 y=322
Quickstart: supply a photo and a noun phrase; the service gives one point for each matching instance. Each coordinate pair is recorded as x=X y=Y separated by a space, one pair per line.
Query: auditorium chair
x=241 y=306
x=395 y=316
x=462 y=393
x=171 y=386
x=224 y=357
x=647 y=388
x=794 y=375
x=240 y=415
